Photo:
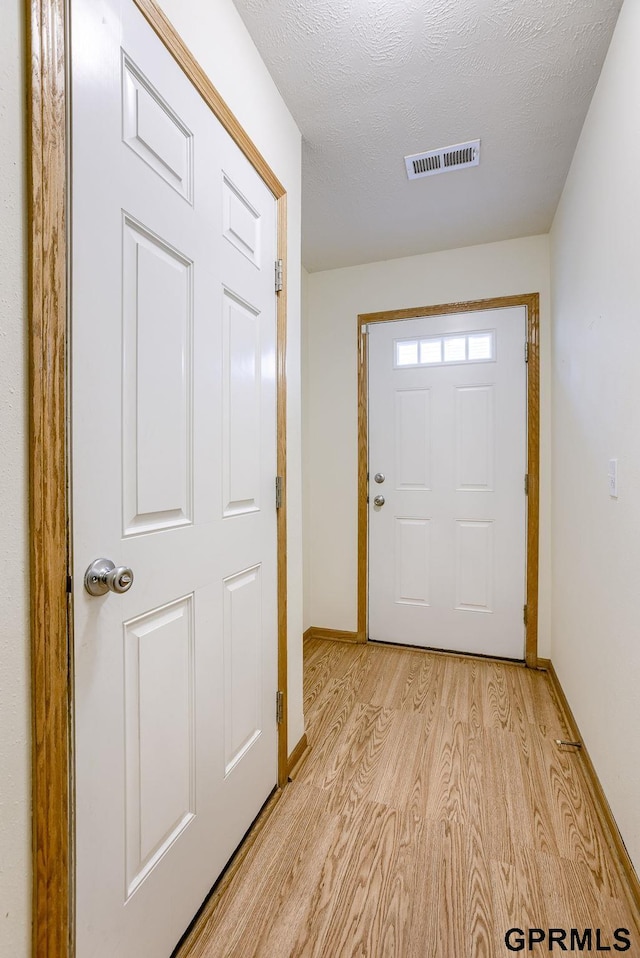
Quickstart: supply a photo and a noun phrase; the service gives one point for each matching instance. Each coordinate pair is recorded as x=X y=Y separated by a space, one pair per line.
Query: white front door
x=173 y=466
x=447 y=454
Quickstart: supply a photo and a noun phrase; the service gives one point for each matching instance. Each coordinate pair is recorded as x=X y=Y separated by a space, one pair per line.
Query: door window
x=465 y=347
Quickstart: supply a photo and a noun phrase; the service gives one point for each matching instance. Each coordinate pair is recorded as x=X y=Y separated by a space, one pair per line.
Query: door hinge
x=526 y=352
x=526 y=484
x=279 y=707
x=364 y=329
x=279 y=275
x=525 y=614
x=279 y=490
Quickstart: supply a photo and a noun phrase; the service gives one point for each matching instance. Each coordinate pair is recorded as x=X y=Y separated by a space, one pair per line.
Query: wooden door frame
x=50 y=543
x=531 y=301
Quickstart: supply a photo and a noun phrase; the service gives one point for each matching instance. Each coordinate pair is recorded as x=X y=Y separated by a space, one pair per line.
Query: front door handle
x=379 y=501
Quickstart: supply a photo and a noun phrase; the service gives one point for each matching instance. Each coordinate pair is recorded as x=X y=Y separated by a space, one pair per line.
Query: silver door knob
x=379 y=477
x=378 y=501
x=104 y=576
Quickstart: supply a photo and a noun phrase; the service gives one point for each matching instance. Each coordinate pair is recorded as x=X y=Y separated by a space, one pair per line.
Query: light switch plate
x=613 y=478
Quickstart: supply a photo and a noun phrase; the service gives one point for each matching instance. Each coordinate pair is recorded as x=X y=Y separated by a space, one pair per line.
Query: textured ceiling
x=369 y=81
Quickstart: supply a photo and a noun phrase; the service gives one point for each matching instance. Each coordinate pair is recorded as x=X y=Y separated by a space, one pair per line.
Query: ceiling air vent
x=441 y=161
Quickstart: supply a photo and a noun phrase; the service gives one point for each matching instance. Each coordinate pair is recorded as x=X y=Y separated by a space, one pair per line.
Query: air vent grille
x=442 y=161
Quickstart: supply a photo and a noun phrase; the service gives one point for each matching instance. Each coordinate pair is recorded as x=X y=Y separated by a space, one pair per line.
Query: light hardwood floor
x=433 y=812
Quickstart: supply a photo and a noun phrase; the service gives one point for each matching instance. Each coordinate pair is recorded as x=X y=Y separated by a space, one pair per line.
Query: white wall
x=595 y=249
x=15 y=838
x=217 y=37
x=219 y=40
x=335 y=298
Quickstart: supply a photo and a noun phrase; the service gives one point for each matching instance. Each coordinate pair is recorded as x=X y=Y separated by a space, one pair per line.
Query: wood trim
x=194 y=936
x=544 y=665
x=49 y=543
x=628 y=875
x=533 y=471
x=334 y=635
x=51 y=714
x=532 y=303
x=297 y=754
x=469 y=306
x=363 y=469
x=281 y=466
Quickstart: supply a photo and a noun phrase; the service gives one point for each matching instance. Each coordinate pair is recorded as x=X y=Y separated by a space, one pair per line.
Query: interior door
x=173 y=466
x=447 y=464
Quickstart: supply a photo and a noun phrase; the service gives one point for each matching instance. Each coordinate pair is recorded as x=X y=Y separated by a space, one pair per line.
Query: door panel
x=447 y=428
x=242 y=663
x=155 y=132
x=413 y=561
x=413 y=438
x=241 y=222
x=240 y=406
x=474 y=565
x=157 y=367
x=173 y=466
x=475 y=450
x=160 y=725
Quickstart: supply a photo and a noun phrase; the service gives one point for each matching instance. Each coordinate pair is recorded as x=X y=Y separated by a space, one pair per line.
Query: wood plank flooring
x=433 y=812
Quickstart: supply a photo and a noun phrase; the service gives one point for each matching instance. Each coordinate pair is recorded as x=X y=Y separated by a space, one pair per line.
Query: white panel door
x=173 y=466
x=447 y=431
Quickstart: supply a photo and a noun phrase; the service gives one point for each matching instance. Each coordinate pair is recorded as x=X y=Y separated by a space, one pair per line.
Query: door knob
x=379 y=477
x=378 y=501
x=104 y=576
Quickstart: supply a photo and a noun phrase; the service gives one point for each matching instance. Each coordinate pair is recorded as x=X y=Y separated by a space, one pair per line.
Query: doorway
x=173 y=460
x=469 y=534
x=54 y=588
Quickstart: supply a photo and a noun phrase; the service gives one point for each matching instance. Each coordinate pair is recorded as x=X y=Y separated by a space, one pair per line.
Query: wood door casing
x=447 y=413
x=532 y=303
